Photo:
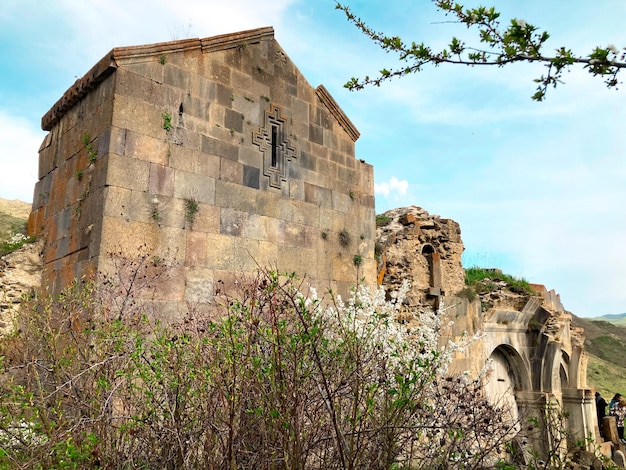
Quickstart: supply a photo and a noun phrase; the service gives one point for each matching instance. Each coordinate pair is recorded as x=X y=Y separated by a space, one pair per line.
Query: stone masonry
x=214 y=154
x=534 y=354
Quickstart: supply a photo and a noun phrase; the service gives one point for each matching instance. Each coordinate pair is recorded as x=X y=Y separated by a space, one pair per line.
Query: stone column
x=579 y=406
x=531 y=407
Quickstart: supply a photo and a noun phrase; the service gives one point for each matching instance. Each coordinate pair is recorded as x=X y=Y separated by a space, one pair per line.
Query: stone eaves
x=336 y=111
x=109 y=63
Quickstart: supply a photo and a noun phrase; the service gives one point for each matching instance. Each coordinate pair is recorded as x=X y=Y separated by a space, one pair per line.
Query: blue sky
x=538 y=188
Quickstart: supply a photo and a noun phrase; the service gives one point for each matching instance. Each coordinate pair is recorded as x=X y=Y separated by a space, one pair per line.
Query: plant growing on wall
x=191 y=209
x=92 y=154
x=382 y=220
x=167 y=121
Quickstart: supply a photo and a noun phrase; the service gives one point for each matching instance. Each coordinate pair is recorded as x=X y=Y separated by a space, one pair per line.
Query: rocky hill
x=15 y=208
x=606 y=345
x=13 y=217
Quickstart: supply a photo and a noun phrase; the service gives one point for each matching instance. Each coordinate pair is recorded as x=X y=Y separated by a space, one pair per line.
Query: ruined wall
x=536 y=355
x=423 y=249
x=216 y=155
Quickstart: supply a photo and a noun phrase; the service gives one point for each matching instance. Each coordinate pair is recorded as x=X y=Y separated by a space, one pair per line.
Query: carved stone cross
x=273 y=142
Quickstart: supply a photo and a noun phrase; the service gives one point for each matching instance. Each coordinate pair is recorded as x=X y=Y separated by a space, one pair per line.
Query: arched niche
x=434 y=270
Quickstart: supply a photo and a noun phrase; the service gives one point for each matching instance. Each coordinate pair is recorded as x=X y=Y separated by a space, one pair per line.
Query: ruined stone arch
x=517 y=370
x=550 y=369
x=433 y=260
x=507 y=377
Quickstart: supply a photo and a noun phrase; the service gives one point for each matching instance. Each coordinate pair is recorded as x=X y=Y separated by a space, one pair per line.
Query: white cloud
x=394 y=187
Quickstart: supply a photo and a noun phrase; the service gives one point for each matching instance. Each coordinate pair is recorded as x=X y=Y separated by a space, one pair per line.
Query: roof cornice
x=107 y=65
x=232 y=40
x=336 y=111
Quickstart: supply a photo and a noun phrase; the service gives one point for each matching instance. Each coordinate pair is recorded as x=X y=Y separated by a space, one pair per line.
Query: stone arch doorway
x=505 y=379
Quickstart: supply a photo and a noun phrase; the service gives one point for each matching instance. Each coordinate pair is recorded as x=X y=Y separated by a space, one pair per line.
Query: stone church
x=215 y=154
x=218 y=156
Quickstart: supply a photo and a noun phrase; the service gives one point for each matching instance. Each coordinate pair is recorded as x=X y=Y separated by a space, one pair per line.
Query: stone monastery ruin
x=217 y=154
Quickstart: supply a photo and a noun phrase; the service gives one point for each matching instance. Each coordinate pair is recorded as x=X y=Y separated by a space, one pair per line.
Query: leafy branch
x=518 y=42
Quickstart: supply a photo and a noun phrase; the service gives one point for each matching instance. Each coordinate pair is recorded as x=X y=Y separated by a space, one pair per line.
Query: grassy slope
x=13 y=217
x=606 y=345
x=605 y=377
x=619 y=319
x=15 y=207
x=10 y=225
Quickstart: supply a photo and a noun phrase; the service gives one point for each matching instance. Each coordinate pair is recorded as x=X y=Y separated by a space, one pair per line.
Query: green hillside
x=10 y=225
x=606 y=345
x=605 y=377
x=617 y=319
x=13 y=220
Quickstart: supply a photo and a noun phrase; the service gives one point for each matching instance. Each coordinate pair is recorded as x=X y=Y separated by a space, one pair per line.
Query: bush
x=278 y=380
x=382 y=220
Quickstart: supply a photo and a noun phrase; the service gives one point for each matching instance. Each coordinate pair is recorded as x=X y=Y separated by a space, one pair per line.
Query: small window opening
x=274 y=147
x=428 y=250
x=181 y=123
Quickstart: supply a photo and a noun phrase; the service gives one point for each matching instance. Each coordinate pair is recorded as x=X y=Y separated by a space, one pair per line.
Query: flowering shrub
x=278 y=379
x=13 y=243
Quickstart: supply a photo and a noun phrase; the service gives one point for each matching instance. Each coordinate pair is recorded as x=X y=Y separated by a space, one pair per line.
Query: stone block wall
x=68 y=197
x=214 y=154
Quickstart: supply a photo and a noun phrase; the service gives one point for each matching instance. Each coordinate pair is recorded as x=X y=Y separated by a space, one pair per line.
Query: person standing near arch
x=601 y=411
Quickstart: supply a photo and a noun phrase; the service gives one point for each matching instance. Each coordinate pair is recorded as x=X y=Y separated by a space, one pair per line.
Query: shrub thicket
x=277 y=380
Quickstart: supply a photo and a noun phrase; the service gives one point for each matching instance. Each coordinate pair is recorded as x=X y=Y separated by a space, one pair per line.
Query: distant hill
x=605 y=342
x=615 y=319
x=13 y=217
x=15 y=207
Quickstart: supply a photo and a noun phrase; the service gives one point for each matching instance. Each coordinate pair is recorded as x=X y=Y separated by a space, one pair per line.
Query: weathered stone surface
x=408 y=241
x=535 y=355
x=228 y=122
